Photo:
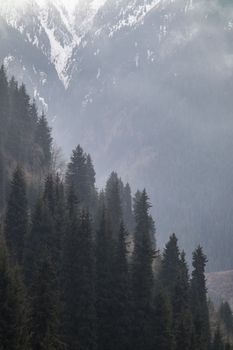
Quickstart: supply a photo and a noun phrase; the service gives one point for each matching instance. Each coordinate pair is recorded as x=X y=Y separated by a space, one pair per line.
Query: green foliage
x=226 y=316
x=80 y=273
x=218 y=343
x=44 y=139
x=81 y=176
x=142 y=274
x=122 y=298
x=25 y=139
x=113 y=204
x=162 y=320
x=78 y=282
x=16 y=223
x=199 y=301
x=45 y=308
x=14 y=321
x=104 y=285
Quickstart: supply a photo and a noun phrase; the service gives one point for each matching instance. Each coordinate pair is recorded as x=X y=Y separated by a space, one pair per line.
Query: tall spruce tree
x=14 y=312
x=182 y=315
x=142 y=275
x=39 y=242
x=113 y=204
x=175 y=280
x=4 y=116
x=16 y=223
x=226 y=317
x=199 y=302
x=104 y=285
x=4 y=105
x=162 y=322
x=122 y=306
x=78 y=281
x=218 y=343
x=45 y=308
x=170 y=268
x=91 y=196
x=44 y=139
x=127 y=208
x=81 y=176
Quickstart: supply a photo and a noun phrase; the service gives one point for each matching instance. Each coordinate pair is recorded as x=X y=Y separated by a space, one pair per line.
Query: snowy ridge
x=134 y=14
x=61 y=48
x=66 y=23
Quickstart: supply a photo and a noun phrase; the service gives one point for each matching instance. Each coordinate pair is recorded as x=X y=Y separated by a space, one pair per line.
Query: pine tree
x=91 y=197
x=39 y=242
x=14 y=326
x=127 y=208
x=44 y=139
x=199 y=301
x=104 y=285
x=182 y=316
x=162 y=322
x=3 y=180
x=4 y=115
x=122 y=307
x=142 y=275
x=16 y=223
x=170 y=268
x=218 y=343
x=78 y=281
x=45 y=308
x=226 y=316
x=80 y=176
x=24 y=123
x=4 y=105
x=113 y=204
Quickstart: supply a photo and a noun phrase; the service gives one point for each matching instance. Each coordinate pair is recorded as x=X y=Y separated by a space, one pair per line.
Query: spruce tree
x=81 y=176
x=170 y=268
x=162 y=322
x=91 y=196
x=142 y=275
x=113 y=204
x=44 y=139
x=4 y=116
x=104 y=285
x=127 y=208
x=14 y=311
x=199 y=303
x=78 y=280
x=45 y=308
x=218 y=343
x=39 y=242
x=182 y=316
x=122 y=308
x=16 y=223
x=4 y=105
x=226 y=316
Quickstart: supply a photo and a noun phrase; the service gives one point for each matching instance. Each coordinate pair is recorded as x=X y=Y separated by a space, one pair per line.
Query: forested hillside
x=79 y=267
x=145 y=86
x=25 y=137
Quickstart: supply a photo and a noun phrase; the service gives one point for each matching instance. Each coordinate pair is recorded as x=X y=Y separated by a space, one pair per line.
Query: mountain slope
x=146 y=87
x=219 y=286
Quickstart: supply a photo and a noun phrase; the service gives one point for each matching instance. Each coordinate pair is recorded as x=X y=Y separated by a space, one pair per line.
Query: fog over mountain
x=145 y=86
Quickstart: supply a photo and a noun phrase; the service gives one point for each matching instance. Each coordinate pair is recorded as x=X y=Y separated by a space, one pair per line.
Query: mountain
x=146 y=87
x=219 y=286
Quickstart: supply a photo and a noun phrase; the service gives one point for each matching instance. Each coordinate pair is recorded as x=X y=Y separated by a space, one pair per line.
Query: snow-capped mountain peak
x=55 y=19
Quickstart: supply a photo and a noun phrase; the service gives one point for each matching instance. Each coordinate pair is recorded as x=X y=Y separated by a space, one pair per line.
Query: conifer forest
x=116 y=175
x=79 y=267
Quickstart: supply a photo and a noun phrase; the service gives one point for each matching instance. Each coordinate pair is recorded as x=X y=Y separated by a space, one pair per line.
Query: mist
x=148 y=92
